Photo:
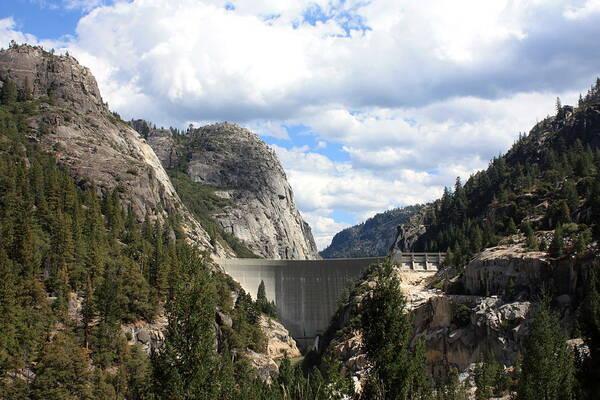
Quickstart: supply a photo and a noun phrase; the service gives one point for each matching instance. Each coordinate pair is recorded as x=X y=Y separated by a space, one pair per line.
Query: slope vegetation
x=372 y=238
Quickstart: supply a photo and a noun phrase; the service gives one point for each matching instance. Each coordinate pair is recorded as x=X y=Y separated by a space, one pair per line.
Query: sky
x=370 y=105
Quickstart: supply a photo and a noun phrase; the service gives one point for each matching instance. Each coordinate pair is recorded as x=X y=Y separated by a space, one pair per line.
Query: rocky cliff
x=372 y=238
x=261 y=211
x=409 y=231
x=457 y=329
x=74 y=123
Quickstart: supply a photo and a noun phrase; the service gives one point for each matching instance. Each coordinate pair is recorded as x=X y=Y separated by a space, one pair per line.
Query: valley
x=139 y=262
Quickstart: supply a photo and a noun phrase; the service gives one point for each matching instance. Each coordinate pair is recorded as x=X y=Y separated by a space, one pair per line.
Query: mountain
x=372 y=238
x=74 y=123
x=258 y=204
x=521 y=272
x=548 y=178
x=250 y=198
x=101 y=263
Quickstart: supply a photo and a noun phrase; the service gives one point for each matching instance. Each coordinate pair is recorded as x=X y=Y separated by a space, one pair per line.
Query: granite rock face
x=408 y=233
x=76 y=125
x=262 y=211
x=456 y=329
x=506 y=266
x=279 y=342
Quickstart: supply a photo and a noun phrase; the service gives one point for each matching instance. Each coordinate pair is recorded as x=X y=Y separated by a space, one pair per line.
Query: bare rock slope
x=262 y=211
x=75 y=124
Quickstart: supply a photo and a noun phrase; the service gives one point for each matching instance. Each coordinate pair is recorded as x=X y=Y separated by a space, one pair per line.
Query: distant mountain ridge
x=371 y=238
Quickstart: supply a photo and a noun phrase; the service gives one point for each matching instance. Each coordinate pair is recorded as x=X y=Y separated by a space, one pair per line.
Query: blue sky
x=44 y=21
x=370 y=105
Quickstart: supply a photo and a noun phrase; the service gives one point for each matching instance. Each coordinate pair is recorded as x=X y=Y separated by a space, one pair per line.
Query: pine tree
x=511 y=227
x=8 y=94
x=569 y=194
x=62 y=373
x=9 y=313
x=547 y=371
x=590 y=323
x=451 y=389
x=556 y=248
x=477 y=240
x=488 y=377
x=583 y=239
x=387 y=334
x=532 y=242
x=184 y=365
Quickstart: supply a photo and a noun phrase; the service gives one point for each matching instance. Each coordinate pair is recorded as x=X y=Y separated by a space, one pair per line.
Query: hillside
x=520 y=281
x=72 y=121
x=257 y=205
x=547 y=179
x=371 y=238
x=105 y=276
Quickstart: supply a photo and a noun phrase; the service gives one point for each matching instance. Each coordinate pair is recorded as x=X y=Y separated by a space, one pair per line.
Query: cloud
x=270 y=129
x=9 y=32
x=324 y=228
x=200 y=60
x=589 y=8
x=409 y=94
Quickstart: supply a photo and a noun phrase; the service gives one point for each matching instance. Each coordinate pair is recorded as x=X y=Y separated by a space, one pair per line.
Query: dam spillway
x=307 y=293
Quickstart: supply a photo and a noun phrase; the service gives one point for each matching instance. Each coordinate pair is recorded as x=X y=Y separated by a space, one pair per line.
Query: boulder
x=279 y=342
x=266 y=369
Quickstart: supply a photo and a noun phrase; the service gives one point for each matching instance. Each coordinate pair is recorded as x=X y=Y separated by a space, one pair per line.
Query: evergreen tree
x=185 y=364
x=398 y=369
x=547 y=371
x=558 y=105
x=556 y=248
x=569 y=194
x=583 y=239
x=62 y=373
x=489 y=378
x=264 y=305
x=8 y=94
x=451 y=389
x=532 y=242
x=511 y=227
x=590 y=326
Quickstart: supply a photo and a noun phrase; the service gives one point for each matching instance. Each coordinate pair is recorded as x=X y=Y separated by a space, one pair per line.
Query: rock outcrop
x=149 y=335
x=75 y=124
x=506 y=267
x=263 y=212
x=408 y=232
x=457 y=329
x=279 y=342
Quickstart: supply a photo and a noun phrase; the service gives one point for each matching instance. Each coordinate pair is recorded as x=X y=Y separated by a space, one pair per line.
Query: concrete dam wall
x=307 y=292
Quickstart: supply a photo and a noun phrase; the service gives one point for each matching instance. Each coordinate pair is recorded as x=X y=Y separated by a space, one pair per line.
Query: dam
x=307 y=293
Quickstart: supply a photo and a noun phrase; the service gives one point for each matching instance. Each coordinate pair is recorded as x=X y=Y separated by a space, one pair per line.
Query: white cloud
x=418 y=93
x=9 y=32
x=589 y=8
x=324 y=228
x=269 y=128
x=192 y=60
